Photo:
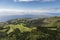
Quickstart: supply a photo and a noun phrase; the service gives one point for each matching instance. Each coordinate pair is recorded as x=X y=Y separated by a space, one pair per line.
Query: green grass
x=19 y=26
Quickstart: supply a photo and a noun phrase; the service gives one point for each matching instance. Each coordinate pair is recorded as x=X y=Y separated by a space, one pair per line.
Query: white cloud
x=23 y=12
x=26 y=0
x=23 y=0
x=48 y=0
x=34 y=0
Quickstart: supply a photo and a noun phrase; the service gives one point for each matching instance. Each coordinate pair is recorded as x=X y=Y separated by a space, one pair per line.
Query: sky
x=34 y=7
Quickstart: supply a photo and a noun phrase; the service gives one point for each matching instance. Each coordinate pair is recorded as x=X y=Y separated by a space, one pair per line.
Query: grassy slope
x=19 y=26
x=49 y=22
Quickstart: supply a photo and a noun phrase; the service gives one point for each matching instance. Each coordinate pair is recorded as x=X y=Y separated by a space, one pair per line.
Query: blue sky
x=29 y=4
x=21 y=7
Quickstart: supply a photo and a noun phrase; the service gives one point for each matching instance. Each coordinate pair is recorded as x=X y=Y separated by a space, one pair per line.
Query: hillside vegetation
x=31 y=29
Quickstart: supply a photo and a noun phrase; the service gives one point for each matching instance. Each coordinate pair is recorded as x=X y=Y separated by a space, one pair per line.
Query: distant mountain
x=55 y=14
x=9 y=17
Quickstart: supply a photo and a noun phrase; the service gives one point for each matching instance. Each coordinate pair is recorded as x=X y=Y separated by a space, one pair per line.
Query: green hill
x=30 y=29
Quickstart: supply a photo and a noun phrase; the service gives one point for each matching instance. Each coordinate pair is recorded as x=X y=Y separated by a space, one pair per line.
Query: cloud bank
x=48 y=0
x=34 y=0
x=33 y=12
